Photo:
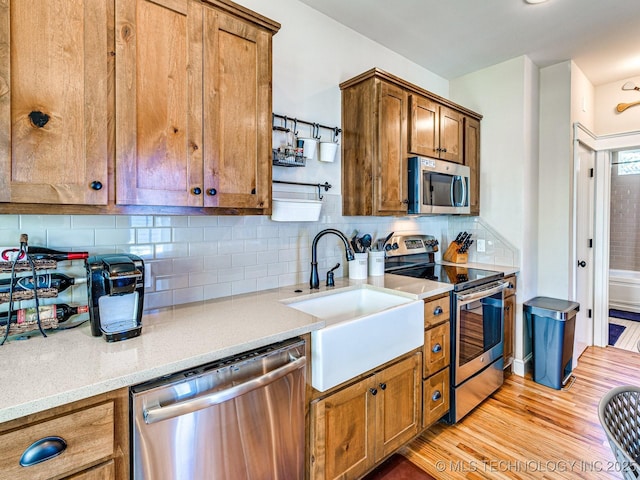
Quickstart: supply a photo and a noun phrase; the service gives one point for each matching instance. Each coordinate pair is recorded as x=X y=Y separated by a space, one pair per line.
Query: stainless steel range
x=477 y=318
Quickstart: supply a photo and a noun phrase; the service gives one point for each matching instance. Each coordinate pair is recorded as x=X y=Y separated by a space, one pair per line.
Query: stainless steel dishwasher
x=238 y=418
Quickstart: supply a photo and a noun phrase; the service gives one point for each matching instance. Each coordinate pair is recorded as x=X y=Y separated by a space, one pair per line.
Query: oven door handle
x=469 y=297
x=159 y=413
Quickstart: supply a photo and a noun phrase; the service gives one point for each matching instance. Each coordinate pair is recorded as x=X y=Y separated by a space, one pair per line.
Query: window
x=628 y=162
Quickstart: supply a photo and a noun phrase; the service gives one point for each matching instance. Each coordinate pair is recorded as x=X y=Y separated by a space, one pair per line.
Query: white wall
x=607 y=97
x=312 y=55
x=583 y=99
x=555 y=177
x=507 y=95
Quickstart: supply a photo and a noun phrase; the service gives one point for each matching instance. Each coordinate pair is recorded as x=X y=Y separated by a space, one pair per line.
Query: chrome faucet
x=314 y=281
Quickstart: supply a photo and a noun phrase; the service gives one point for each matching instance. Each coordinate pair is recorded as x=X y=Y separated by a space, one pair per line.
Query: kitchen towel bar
x=319 y=186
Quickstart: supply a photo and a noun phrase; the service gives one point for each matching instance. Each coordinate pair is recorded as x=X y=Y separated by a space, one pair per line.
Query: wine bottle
x=49 y=315
x=49 y=254
x=59 y=281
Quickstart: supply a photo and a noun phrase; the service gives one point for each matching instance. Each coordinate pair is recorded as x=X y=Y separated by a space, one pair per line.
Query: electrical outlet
x=480 y=245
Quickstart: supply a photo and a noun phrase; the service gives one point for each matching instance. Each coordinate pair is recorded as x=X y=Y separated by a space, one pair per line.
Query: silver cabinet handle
x=42 y=450
x=157 y=414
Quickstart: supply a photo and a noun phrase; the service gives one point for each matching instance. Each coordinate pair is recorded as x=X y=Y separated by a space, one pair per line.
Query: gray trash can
x=552 y=323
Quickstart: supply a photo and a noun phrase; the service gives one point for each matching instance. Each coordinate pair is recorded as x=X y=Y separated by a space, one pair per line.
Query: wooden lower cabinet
x=358 y=426
x=509 y=321
x=436 y=359
x=96 y=434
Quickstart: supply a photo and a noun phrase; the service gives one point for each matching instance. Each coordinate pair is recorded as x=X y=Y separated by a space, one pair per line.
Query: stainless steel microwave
x=436 y=186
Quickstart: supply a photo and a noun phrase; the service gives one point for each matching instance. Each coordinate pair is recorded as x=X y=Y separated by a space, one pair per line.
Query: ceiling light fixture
x=533 y=2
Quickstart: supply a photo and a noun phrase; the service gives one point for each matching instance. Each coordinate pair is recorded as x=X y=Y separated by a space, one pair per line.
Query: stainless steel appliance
x=115 y=284
x=477 y=318
x=437 y=186
x=238 y=418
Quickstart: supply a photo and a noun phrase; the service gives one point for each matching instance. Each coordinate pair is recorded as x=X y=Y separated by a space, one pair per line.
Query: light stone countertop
x=41 y=373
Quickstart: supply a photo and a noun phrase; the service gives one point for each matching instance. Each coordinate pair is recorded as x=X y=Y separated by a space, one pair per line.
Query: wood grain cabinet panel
x=358 y=426
x=472 y=160
x=435 y=130
x=509 y=320
x=193 y=103
x=374 y=166
x=237 y=112
x=436 y=398
x=96 y=433
x=437 y=349
x=54 y=101
x=386 y=120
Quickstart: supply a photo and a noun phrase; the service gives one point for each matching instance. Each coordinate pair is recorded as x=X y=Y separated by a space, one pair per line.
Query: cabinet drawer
x=511 y=289
x=104 y=471
x=436 y=397
x=436 y=311
x=88 y=433
x=436 y=353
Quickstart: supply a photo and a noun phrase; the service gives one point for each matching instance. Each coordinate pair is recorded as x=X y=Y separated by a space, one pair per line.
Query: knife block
x=452 y=255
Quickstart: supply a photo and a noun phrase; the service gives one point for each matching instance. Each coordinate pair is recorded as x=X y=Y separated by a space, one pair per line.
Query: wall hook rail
x=315 y=127
x=319 y=186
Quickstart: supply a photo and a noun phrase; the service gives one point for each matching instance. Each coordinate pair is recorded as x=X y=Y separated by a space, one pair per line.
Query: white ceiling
x=454 y=37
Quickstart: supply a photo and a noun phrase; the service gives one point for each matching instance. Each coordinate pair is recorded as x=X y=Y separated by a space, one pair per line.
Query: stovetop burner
x=413 y=256
x=461 y=278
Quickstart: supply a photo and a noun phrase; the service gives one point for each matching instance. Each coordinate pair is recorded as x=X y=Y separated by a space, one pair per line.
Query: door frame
x=603 y=146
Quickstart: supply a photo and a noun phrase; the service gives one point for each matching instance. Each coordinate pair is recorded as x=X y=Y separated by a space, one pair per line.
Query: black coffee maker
x=115 y=284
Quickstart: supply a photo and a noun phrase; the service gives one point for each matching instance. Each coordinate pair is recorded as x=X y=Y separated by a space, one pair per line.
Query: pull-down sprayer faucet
x=314 y=281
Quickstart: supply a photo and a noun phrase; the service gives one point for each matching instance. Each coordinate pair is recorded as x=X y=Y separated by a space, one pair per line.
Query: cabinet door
x=391 y=172
x=159 y=102
x=342 y=436
x=436 y=398
x=398 y=405
x=451 y=130
x=423 y=127
x=436 y=351
x=54 y=108
x=237 y=113
x=472 y=160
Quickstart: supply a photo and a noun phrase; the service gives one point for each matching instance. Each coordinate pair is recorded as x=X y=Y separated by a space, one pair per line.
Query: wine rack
x=34 y=286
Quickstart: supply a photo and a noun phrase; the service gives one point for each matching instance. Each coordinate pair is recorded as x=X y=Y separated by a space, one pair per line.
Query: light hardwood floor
x=528 y=431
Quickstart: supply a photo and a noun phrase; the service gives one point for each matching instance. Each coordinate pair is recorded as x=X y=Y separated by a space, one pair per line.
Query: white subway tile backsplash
x=76 y=237
x=93 y=221
x=118 y=236
x=186 y=295
x=192 y=258
x=154 y=235
x=45 y=221
x=244 y=286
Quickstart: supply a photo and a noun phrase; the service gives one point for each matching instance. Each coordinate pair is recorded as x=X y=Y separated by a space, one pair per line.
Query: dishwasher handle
x=157 y=414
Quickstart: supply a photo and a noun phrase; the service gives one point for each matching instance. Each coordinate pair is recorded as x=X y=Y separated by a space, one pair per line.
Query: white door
x=585 y=188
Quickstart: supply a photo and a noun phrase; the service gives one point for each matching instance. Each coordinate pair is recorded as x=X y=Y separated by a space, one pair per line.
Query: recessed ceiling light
x=535 y=1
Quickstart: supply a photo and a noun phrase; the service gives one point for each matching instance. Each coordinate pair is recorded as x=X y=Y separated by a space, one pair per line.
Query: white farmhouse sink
x=365 y=327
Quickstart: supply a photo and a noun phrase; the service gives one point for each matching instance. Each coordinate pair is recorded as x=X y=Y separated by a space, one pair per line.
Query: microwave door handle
x=464 y=191
x=458 y=178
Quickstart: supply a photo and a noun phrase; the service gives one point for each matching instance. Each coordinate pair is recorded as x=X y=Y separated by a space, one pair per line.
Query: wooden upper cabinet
x=472 y=160
x=237 y=112
x=159 y=102
x=54 y=101
x=390 y=189
x=386 y=120
x=193 y=103
x=374 y=170
x=435 y=130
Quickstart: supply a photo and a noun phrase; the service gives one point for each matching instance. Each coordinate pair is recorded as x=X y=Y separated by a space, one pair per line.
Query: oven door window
x=480 y=327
